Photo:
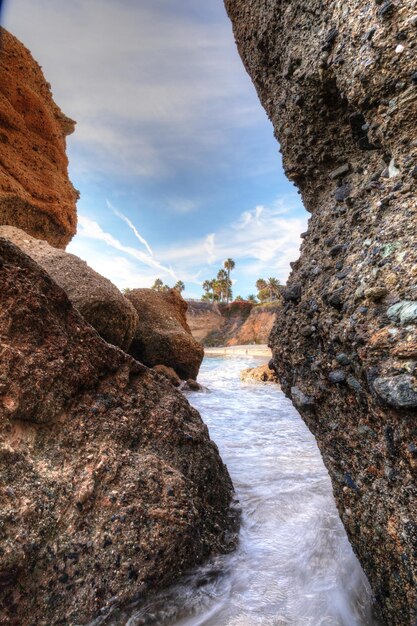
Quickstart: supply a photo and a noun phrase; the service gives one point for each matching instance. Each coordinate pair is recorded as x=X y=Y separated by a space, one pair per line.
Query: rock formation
x=218 y=324
x=257 y=327
x=339 y=82
x=109 y=484
x=35 y=192
x=163 y=336
x=96 y=298
x=203 y=318
x=260 y=374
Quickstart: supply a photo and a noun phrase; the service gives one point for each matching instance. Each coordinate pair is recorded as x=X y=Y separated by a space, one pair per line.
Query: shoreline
x=243 y=350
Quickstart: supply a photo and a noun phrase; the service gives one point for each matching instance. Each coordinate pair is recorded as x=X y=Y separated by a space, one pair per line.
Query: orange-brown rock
x=35 y=192
x=169 y=373
x=163 y=336
x=204 y=318
x=260 y=374
x=109 y=484
x=257 y=327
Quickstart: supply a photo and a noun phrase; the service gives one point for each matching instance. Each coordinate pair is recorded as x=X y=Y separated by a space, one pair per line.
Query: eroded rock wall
x=35 y=192
x=338 y=81
x=109 y=484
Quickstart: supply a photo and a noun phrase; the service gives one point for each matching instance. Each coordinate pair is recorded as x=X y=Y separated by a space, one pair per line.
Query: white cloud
x=150 y=86
x=265 y=239
x=132 y=227
x=262 y=241
x=90 y=229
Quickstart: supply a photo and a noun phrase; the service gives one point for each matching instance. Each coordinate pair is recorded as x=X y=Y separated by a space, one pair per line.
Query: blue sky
x=173 y=155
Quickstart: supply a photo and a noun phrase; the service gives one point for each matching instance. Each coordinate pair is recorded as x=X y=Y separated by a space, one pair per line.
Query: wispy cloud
x=153 y=85
x=264 y=239
x=132 y=227
x=90 y=229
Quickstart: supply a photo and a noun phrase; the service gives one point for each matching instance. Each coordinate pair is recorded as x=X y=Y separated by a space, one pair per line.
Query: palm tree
x=207 y=287
x=222 y=280
x=251 y=298
x=179 y=286
x=158 y=285
x=229 y=265
x=273 y=287
x=262 y=287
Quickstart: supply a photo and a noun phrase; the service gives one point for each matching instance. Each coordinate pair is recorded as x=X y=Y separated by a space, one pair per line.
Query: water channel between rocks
x=294 y=565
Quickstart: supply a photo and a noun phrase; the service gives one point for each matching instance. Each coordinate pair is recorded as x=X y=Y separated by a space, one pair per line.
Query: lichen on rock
x=338 y=81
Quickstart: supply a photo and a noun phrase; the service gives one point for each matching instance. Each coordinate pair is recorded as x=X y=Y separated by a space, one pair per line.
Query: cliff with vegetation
x=233 y=324
x=339 y=83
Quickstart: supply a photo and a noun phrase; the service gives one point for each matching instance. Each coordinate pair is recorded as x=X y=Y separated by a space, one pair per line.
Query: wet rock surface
x=337 y=82
x=35 y=192
x=163 y=336
x=99 y=301
x=261 y=374
x=109 y=484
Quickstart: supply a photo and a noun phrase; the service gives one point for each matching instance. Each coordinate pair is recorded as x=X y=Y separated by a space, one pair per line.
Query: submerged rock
x=35 y=192
x=163 y=336
x=352 y=103
x=109 y=484
x=96 y=298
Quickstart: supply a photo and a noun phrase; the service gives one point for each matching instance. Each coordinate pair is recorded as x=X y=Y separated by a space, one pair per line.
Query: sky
x=173 y=155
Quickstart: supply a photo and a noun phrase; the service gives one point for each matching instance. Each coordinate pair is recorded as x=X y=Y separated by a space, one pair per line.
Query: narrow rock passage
x=294 y=565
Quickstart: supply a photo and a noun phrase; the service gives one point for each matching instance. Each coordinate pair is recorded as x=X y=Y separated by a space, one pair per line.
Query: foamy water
x=294 y=565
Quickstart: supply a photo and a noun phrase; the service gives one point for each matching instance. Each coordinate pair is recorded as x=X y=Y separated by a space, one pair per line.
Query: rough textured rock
x=109 y=484
x=96 y=298
x=261 y=374
x=35 y=192
x=163 y=336
x=338 y=81
x=169 y=373
x=257 y=327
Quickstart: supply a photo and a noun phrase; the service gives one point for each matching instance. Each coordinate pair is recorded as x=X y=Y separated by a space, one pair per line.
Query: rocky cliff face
x=203 y=318
x=109 y=484
x=338 y=81
x=35 y=192
x=257 y=327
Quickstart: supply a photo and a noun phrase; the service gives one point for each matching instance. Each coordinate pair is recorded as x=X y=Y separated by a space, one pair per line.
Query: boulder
x=260 y=374
x=96 y=298
x=169 y=373
x=341 y=93
x=35 y=192
x=163 y=336
x=109 y=484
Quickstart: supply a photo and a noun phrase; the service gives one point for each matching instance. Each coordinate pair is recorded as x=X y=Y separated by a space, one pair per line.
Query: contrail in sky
x=131 y=226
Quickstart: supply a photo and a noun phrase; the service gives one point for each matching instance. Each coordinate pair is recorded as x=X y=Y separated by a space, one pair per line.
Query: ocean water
x=294 y=565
